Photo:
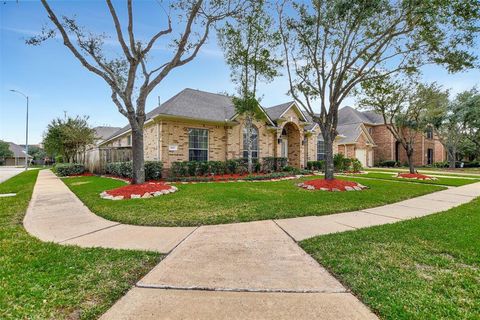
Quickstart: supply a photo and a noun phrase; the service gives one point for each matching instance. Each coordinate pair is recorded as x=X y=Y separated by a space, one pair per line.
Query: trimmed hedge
x=69 y=169
x=208 y=168
x=273 y=164
x=389 y=163
x=153 y=169
x=316 y=165
x=274 y=175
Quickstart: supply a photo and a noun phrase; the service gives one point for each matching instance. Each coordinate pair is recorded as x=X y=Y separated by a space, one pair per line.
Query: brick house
x=198 y=126
x=370 y=135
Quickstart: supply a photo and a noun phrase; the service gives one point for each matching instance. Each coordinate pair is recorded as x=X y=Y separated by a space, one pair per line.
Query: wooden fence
x=95 y=160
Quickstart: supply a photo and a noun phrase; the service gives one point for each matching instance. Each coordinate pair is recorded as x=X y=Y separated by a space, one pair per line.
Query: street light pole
x=26 y=130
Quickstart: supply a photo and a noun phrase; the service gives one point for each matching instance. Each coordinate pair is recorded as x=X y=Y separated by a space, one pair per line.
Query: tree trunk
x=410 y=160
x=138 y=172
x=329 y=167
x=451 y=157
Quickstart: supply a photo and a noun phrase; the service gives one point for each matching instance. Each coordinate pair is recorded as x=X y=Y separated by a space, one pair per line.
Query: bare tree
x=332 y=46
x=129 y=77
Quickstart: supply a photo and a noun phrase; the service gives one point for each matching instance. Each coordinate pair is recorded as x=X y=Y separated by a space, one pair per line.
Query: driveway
x=8 y=172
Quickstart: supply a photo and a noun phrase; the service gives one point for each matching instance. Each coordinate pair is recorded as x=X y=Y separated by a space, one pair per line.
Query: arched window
x=320 y=147
x=254 y=138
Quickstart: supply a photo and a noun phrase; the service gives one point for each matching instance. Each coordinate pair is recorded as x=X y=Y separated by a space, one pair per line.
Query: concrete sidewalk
x=56 y=214
x=236 y=271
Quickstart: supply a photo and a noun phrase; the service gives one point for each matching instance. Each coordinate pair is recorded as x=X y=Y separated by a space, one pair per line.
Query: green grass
x=427 y=268
x=458 y=172
x=216 y=203
x=453 y=181
x=48 y=281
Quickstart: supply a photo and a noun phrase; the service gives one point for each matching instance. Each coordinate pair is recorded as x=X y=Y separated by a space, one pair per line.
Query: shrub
x=231 y=166
x=471 y=164
x=339 y=162
x=356 y=165
x=153 y=169
x=272 y=164
x=388 y=163
x=442 y=164
x=69 y=169
x=316 y=165
x=58 y=159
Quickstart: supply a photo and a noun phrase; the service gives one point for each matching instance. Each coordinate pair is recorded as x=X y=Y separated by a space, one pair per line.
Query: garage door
x=361 y=154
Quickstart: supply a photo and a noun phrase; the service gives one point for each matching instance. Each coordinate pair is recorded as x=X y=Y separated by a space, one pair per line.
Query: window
x=129 y=140
x=254 y=137
x=320 y=147
x=429 y=133
x=197 y=144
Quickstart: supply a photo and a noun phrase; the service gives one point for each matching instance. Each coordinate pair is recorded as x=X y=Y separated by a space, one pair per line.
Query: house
x=198 y=126
x=91 y=156
x=18 y=158
x=368 y=139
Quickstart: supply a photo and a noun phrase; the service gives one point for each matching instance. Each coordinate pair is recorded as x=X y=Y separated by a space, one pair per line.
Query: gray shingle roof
x=348 y=115
x=18 y=151
x=276 y=111
x=193 y=104
x=103 y=132
x=350 y=132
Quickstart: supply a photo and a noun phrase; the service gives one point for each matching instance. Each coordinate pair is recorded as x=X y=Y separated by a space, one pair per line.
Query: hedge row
x=274 y=175
x=232 y=166
x=153 y=169
x=69 y=169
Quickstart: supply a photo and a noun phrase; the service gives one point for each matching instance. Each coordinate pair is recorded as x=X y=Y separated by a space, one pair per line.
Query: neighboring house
x=195 y=125
x=91 y=157
x=18 y=158
x=368 y=139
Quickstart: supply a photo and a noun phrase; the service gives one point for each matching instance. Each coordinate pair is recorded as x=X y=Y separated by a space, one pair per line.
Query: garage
x=361 y=154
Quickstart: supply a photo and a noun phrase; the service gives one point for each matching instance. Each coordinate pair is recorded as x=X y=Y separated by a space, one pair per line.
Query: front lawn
x=427 y=268
x=452 y=182
x=41 y=280
x=457 y=172
x=216 y=203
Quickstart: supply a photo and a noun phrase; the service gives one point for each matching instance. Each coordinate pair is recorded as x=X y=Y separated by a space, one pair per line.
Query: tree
x=249 y=45
x=68 y=136
x=407 y=108
x=332 y=46
x=127 y=72
x=5 y=151
x=467 y=106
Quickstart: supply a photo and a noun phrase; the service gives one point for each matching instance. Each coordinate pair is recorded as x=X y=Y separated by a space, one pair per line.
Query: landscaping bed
x=447 y=181
x=427 y=268
x=216 y=203
x=42 y=280
x=415 y=176
x=134 y=191
x=332 y=185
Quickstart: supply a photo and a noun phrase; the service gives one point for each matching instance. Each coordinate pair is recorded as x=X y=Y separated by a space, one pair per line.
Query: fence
x=95 y=160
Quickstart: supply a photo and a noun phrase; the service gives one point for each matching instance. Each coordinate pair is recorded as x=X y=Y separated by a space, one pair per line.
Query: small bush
x=153 y=169
x=316 y=165
x=69 y=169
x=442 y=164
x=388 y=163
x=58 y=159
x=356 y=165
x=471 y=164
x=273 y=164
x=339 y=162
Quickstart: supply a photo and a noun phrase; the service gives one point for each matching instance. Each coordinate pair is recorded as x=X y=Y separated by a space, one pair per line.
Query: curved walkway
x=243 y=270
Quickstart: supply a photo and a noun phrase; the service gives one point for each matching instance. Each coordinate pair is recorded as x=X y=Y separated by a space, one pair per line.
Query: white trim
x=290 y=106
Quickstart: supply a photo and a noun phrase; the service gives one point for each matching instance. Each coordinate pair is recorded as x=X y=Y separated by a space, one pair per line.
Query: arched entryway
x=290 y=144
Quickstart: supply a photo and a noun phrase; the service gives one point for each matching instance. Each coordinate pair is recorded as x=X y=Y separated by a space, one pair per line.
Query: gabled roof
x=349 y=115
x=349 y=133
x=18 y=151
x=276 y=112
x=103 y=132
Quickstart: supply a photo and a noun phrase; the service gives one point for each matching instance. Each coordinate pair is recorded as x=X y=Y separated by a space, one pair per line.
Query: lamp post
x=26 y=130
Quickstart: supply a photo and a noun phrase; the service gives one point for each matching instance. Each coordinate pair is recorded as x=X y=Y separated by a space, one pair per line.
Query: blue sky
x=57 y=83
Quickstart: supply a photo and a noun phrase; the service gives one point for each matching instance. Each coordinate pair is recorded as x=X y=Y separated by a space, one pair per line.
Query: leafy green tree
x=467 y=106
x=407 y=108
x=129 y=71
x=5 y=151
x=68 y=136
x=249 y=44
x=332 y=46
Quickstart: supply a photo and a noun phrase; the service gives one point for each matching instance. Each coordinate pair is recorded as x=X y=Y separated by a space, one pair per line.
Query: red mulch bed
x=330 y=185
x=85 y=174
x=417 y=176
x=138 y=189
